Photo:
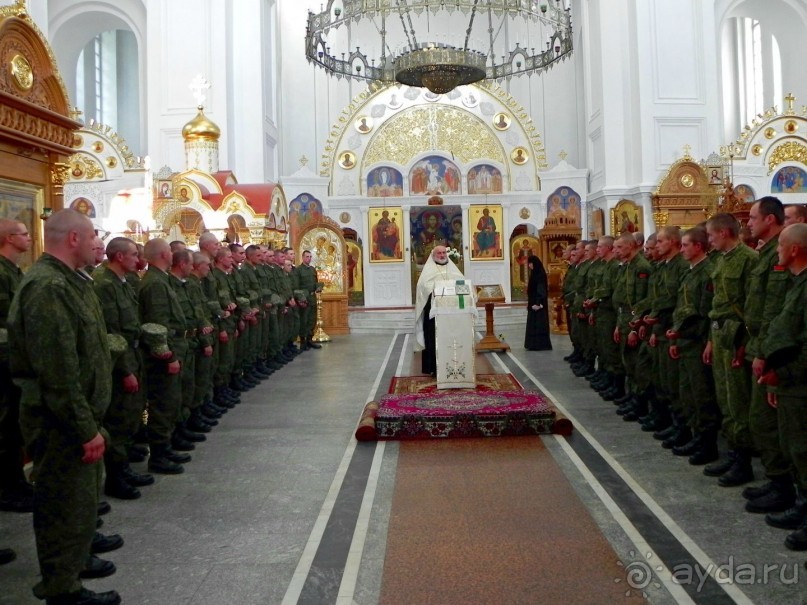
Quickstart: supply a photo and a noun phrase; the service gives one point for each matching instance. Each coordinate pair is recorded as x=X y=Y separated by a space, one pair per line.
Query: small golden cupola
x=201 y=137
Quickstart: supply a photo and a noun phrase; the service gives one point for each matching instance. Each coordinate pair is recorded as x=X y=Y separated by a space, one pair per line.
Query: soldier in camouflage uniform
x=785 y=374
x=671 y=270
x=218 y=286
x=15 y=492
x=766 y=294
x=293 y=316
x=305 y=279
x=633 y=289
x=688 y=337
x=183 y=437
x=570 y=284
x=726 y=347
x=123 y=418
x=604 y=318
x=579 y=315
x=251 y=270
x=203 y=415
x=159 y=304
x=60 y=360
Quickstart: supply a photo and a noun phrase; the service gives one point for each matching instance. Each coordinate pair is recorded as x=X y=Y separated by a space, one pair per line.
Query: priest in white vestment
x=438 y=267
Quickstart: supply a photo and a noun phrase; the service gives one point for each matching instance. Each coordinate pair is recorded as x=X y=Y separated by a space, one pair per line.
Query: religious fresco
x=745 y=194
x=521 y=248
x=355 y=274
x=327 y=257
x=24 y=203
x=484 y=178
x=83 y=205
x=486 y=225
x=385 y=234
x=626 y=217
x=563 y=206
x=384 y=182
x=434 y=175
x=432 y=226
x=597 y=224
x=790 y=179
x=304 y=209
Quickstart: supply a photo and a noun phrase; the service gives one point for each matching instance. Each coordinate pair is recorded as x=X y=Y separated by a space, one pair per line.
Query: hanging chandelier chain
x=470 y=25
x=413 y=42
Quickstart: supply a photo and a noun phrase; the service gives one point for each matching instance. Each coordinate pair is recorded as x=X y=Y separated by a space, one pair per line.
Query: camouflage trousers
x=733 y=391
x=696 y=388
x=165 y=398
x=65 y=509
x=793 y=435
x=763 y=422
x=124 y=415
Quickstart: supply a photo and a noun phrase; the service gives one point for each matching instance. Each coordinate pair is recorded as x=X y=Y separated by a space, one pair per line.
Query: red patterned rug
x=499 y=406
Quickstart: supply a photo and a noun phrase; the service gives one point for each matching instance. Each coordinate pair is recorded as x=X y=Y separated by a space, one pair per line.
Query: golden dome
x=201 y=128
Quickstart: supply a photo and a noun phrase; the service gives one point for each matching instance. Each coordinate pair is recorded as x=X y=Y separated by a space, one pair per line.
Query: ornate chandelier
x=438 y=44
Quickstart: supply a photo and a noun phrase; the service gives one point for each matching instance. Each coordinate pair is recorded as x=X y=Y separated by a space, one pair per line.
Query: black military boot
x=707 y=452
x=690 y=447
x=159 y=462
x=681 y=437
x=779 y=498
x=740 y=472
x=721 y=466
x=101 y=543
x=85 y=597
x=798 y=539
x=115 y=484
x=793 y=517
x=314 y=345
x=96 y=568
x=134 y=478
x=640 y=409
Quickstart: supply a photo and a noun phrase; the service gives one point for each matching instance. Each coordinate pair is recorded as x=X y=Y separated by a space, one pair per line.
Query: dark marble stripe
x=322 y=584
x=663 y=542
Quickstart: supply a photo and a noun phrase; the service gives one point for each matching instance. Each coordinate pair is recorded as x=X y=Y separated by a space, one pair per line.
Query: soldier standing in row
x=726 y=348
x=15 y=491
x=305 y=279
x=119 y=304
x=159 y=305
x=60 y=360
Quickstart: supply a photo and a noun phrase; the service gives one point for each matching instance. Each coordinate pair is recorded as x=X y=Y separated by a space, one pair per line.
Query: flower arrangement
x=454 y=254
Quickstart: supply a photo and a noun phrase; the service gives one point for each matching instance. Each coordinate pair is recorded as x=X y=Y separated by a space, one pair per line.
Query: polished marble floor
x=281 y=505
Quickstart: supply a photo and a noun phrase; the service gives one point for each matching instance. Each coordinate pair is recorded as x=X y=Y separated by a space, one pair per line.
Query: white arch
x=73 y=24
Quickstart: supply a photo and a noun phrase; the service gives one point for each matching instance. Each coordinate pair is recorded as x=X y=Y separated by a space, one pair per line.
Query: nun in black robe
x=537 y=334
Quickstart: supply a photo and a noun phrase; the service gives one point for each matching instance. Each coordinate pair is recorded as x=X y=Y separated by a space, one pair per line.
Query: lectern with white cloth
x=454 y=310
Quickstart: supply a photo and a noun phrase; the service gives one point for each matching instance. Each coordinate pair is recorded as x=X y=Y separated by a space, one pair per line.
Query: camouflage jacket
x=59 y=353
x=119 y=305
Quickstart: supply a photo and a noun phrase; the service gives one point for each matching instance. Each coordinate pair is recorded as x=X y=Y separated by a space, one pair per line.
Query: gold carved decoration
x=111 y=161
x=422 y=129
x=791 y=126
x=756 y=149
x=83 y=167
x=518 y=114
x=684 y=197
x=130 y=160
x=98 y=147
x=770 y=132
x=23 y=72
x=790 y=151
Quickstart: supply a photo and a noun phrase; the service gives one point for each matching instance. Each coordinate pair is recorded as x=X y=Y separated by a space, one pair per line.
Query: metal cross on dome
x=199 y=85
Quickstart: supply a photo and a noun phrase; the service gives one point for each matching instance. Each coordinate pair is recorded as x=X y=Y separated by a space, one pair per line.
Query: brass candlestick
x=319 y=333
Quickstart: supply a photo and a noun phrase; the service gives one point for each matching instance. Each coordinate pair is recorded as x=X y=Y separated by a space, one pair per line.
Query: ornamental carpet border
x=482 y=412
